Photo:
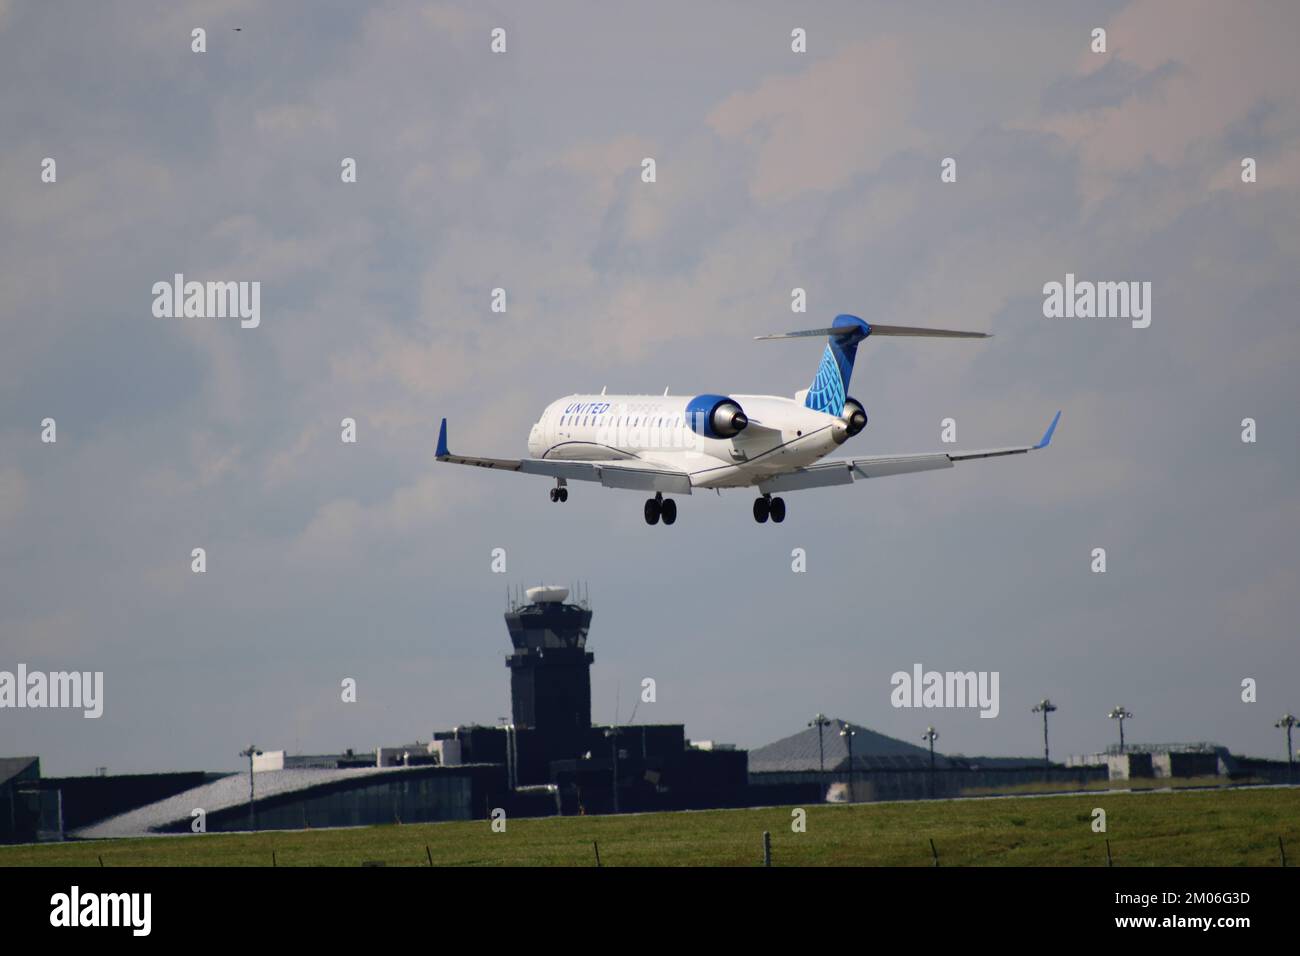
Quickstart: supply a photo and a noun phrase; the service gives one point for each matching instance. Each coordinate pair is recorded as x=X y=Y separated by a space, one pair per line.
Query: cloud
x=1196 y=69
x=814 y=130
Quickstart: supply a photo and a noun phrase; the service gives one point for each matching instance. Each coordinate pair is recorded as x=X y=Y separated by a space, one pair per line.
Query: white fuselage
x=782 y=435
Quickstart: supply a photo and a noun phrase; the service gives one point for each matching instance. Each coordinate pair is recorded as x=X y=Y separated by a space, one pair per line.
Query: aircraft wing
x=633 y=473
x=845 y=471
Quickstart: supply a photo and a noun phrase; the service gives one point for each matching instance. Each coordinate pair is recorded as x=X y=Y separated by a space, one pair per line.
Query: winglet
x=1047 y=435
x=442 y=440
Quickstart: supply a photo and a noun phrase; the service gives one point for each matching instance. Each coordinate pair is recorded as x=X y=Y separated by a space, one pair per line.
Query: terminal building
x=548 y=759
x=843 y=762
x=1184 y=760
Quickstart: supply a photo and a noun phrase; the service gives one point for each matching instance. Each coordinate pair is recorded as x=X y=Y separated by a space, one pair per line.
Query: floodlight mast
x=1286 y=722
x=1120 y=714
x=820 y=721
x=848 y=734
x=931 y=735
x=250 y=753
x=1045 y=707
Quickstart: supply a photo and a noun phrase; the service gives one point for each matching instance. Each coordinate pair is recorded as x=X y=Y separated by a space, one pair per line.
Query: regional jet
x=675 y=445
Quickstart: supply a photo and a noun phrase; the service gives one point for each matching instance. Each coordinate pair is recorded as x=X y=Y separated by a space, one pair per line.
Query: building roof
x=11 y=767
x=871 y=751
x=223 y=794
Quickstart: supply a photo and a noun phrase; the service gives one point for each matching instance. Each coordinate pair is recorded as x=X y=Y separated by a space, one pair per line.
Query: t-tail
x=830 y=388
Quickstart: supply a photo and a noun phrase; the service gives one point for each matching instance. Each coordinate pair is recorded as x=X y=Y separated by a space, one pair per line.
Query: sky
x=775 y=170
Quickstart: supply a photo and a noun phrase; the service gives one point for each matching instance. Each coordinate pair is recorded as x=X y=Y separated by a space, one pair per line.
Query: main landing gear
x=767 y=506
x=660 y=507
x=559 y=492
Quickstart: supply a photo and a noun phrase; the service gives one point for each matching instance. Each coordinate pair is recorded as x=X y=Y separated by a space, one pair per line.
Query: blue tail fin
x=831 y=386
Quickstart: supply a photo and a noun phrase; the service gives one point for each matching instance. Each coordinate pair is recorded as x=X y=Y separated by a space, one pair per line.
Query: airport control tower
x=550 y=669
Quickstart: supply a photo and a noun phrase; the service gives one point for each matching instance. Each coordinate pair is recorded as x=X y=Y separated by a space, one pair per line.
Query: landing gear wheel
x=564 y=494
x=760 y=509
x=555 y=494
x=669 y=510
x=777 y=507
x=651 y=511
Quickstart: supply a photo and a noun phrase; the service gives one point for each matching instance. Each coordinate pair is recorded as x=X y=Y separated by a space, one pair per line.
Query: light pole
x=848 y=733
x=612 y=734
x=1120 y=714
x=1045 y=707
x=1287 y=721
x=931 y=735
x=820 y=721
x=250 y=753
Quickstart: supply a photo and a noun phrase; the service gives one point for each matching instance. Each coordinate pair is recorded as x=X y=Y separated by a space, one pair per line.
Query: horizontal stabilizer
x=920 y=333
x=806 y=333
x=899 y=330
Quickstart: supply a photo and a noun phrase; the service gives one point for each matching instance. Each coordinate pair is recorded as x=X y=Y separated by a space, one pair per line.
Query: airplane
x=675 y=445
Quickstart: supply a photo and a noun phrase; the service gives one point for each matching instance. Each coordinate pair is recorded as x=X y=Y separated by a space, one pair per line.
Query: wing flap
x=637 y=474
x=843 y=471
x=504 y=464
x=821 y=475
x=640 y=475
x=898 y=465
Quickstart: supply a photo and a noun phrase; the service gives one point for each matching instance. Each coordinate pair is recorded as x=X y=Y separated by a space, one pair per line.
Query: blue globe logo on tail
x=830 y=387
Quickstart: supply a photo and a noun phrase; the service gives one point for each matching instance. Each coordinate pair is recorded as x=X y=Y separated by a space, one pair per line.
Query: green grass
x=1201 y=828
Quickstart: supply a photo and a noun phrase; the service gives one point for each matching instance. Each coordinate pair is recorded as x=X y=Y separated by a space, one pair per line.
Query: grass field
x=1201 y=828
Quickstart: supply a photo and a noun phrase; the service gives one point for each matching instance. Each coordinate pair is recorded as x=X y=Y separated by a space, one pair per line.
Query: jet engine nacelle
x=855 y=416
x=852 y=420
x=715 y=416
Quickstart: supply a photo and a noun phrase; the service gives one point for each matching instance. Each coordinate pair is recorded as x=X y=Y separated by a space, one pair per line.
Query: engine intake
x=716 y=416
